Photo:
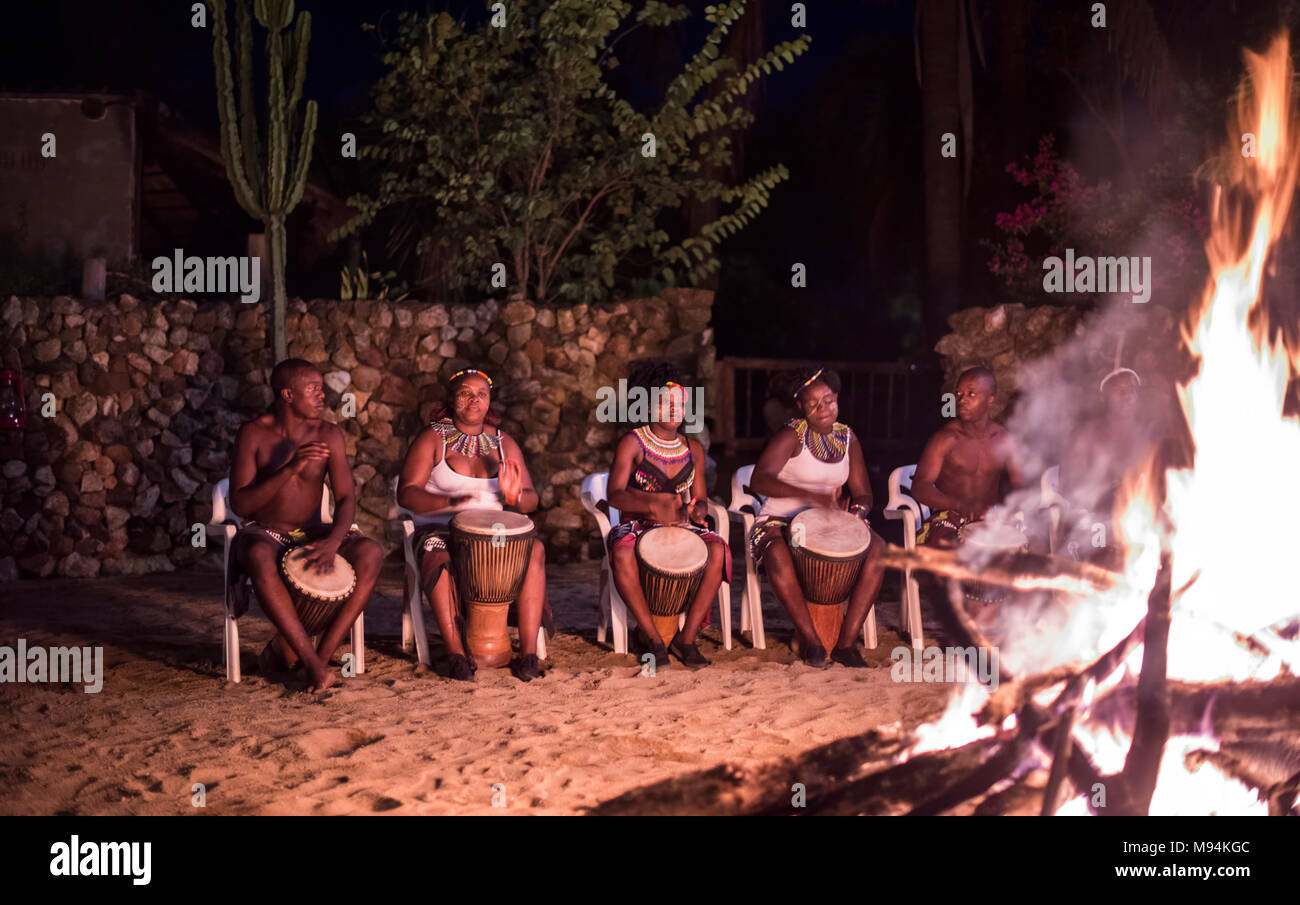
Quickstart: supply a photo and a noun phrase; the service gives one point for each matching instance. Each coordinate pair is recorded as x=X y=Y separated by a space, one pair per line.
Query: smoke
x=1060 y=417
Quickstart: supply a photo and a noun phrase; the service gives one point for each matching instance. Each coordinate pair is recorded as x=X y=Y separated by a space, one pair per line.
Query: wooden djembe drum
x=828 y=547
x=672 y=562
x=491 y=550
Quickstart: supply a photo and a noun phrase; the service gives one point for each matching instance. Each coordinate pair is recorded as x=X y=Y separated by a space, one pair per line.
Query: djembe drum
x=828 y=547
x=983 y=540
x=491 y=550
x=672 y=562
x=317 y=596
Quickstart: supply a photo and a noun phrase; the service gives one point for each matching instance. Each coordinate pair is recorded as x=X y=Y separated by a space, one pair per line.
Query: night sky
x=845 y=119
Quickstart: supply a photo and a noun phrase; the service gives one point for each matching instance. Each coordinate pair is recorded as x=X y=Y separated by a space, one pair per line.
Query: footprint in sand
x=320 y=743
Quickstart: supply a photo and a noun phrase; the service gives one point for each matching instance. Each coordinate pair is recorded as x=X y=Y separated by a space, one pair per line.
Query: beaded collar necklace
x=481 y=445
x=670 y=452
x=825 y=447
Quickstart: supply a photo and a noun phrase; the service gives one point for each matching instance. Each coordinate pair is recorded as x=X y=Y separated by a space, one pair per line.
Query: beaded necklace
x=670 y=452
x=480 y=445
x=826 y=447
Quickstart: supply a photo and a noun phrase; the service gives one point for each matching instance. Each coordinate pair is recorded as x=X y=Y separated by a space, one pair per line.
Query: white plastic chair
x=751 y=596
x=613 y=611
x=1054 y=503
x=224 y=525
x=913 y=514
x=751 y=601
x=401 y=525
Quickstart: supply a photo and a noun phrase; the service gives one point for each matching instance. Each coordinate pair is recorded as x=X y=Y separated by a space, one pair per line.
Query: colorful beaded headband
x=452 y=378
x=806 y=382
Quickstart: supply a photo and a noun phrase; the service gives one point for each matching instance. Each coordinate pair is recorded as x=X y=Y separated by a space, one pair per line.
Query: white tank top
x=807 y=472
x=446 y=481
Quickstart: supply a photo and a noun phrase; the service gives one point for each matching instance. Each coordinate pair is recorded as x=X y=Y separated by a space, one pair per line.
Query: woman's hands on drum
x=699 y=511
x=510 y=478
x=320 y=555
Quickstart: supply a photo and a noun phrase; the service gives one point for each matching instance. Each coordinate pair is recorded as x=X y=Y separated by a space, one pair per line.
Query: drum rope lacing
x=481 y=445
x=825 y=447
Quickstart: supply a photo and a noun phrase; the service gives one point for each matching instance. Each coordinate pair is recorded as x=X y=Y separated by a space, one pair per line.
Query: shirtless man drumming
x=280 y=463
x=960 y=471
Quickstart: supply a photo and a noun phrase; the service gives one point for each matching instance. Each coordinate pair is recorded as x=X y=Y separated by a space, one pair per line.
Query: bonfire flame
x=1232 y=548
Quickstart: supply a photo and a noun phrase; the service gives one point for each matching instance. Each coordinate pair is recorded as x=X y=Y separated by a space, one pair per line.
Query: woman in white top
x=806 y=464
x=461 y=461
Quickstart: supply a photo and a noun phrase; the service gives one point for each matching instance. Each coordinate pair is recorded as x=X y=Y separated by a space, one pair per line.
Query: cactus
x=265 y=184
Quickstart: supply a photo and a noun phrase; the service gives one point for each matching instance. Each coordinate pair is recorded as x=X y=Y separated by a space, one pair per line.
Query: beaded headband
x=1117 y=372
x=806 y=382
x=452 y=378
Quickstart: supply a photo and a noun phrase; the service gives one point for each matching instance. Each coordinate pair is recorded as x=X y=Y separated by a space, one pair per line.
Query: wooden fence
x=891 y=406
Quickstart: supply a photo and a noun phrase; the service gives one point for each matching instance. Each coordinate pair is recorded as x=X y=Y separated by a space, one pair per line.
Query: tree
x=944 y=70
x=268 y=186
x=504 y=148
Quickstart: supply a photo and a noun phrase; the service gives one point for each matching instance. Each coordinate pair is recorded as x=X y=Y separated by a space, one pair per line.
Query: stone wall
x=1006 y=338
x=148 y=396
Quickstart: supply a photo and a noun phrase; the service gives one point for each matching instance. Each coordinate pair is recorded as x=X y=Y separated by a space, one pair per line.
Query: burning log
x=1137 y=782
x=1019 y=571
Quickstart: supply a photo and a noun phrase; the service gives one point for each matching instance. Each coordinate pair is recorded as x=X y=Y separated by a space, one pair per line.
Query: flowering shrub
x=1161 y=217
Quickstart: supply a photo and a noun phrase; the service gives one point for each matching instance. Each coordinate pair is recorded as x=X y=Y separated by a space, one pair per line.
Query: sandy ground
x=399 y=739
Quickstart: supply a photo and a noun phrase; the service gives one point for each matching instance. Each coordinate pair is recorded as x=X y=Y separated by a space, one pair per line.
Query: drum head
x=322 y=585
x=830 y=532
x=675 y=551
x=484 y=521
x=992 y=535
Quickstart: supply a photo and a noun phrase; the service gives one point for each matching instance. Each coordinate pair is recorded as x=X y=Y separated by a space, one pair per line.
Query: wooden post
x=94 y=277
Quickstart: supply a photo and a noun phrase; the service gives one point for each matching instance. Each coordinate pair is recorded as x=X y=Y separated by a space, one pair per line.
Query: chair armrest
x=399 y=526
x=602 y=520
x=225 y=530
x=722 y=518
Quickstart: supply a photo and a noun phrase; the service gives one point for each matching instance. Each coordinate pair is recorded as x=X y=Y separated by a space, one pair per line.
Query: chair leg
x=755 y=604
x=232 y=649
x=618 y=619
x=913 y=603
x=415 y=615
x=724 y=612
x=869 y=629
x=541 y=643
x=603 y=605
x=359 y=643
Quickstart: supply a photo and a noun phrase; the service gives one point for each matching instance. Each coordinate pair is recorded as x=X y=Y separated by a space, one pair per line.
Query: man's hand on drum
x=511 y=481
x=666 y=508
x=315 y=451
x=320 y=555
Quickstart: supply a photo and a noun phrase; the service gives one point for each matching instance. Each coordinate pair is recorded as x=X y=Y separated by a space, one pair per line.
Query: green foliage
x=507 y=145
x=268 y=179
x=360 y=283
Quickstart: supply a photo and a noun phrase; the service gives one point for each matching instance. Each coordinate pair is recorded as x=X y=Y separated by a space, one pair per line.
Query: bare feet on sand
x=320 y=680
